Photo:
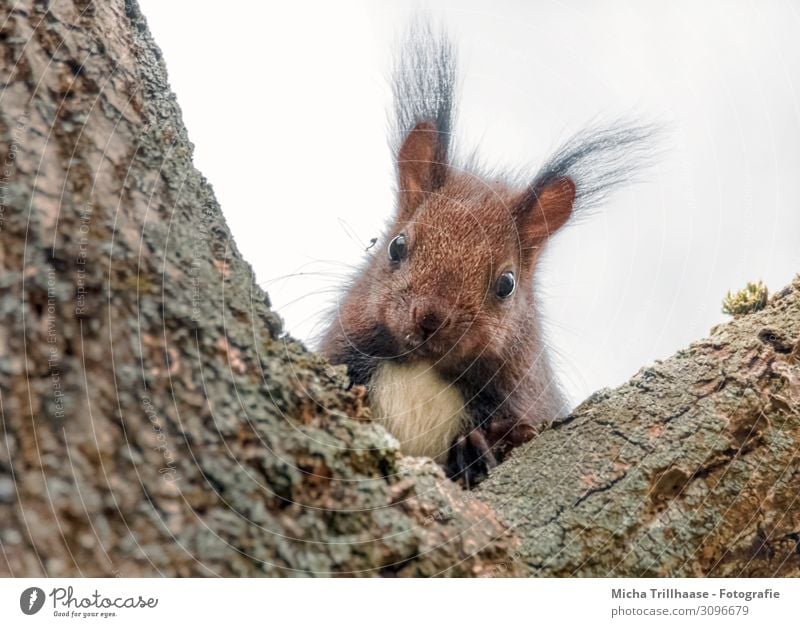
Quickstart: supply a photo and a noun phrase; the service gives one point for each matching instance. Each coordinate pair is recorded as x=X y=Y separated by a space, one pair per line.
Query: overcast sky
x=287 y=103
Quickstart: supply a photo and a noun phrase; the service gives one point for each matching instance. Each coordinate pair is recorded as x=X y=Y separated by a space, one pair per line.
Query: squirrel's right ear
x=421 y=167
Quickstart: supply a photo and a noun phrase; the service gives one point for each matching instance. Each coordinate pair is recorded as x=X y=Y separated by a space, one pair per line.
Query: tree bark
x=692 y=468
x=155 y=419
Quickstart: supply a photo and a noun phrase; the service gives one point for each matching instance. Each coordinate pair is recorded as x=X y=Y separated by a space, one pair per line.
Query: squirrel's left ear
x=543 y=210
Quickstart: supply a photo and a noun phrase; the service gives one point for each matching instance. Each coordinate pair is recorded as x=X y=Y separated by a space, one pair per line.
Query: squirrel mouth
x=428 y=348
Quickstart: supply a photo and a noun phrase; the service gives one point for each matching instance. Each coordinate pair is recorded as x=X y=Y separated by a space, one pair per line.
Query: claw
x=470 y=459
x=477 y=439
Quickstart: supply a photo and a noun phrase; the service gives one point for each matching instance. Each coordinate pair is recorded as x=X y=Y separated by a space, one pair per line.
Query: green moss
x=748 y=300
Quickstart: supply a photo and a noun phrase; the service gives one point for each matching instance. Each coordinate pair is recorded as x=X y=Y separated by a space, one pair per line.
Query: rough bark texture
x=155 y=420
x=692 y=468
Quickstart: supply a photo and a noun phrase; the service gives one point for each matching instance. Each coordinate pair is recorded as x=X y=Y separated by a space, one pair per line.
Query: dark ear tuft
x=421 y=167
x=544 y=211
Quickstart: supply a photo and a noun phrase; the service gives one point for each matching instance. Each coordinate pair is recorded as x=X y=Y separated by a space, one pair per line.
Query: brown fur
x=428 y=333
x=462 y=233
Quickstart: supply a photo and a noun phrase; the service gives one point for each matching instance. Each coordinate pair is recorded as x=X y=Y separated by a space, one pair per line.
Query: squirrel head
x=453 y=279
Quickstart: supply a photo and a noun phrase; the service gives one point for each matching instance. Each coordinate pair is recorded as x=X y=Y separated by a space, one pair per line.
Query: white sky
x=287 y=106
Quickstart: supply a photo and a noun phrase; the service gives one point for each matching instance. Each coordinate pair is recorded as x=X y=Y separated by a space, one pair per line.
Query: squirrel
x=441 y=323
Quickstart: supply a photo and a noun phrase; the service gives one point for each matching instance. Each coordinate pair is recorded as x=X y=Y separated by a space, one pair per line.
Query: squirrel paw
x=470 y=459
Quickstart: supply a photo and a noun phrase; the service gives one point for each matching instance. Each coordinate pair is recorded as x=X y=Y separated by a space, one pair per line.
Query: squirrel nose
x=430 y=316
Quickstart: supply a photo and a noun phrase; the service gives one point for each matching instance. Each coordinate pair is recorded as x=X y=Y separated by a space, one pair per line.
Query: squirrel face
x=454 y=279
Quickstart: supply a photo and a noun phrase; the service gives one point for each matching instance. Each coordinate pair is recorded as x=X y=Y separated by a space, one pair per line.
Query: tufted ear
x=421 y=167
x=544 y=210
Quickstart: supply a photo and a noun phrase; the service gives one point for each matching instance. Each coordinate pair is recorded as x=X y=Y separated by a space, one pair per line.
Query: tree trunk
x=692 y=468
x=156 y=420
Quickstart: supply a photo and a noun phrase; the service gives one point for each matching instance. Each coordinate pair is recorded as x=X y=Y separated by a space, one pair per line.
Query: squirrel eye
x=397 y=249
x=505 y=285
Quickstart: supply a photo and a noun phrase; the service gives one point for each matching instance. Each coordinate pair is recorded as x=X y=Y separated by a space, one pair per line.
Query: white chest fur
x=418 y=407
